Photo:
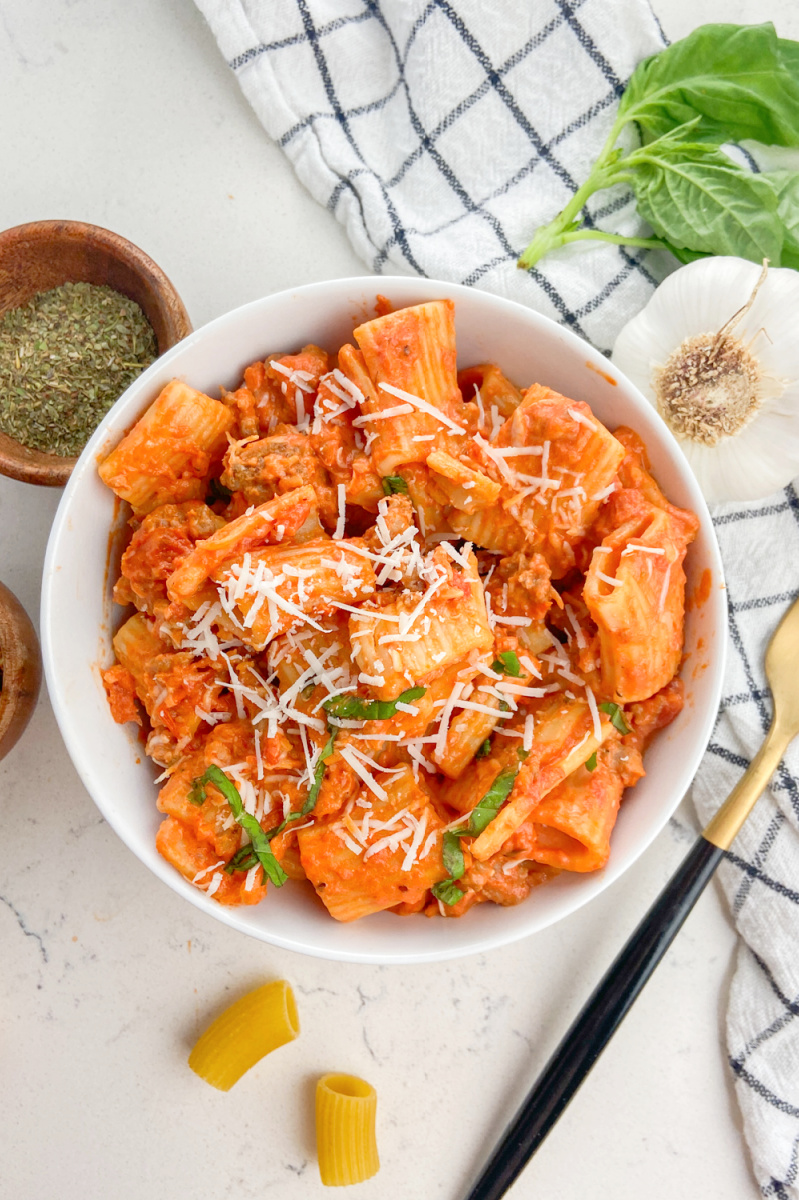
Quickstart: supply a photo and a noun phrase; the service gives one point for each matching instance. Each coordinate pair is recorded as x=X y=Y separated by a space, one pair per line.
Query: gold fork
x=615 y=994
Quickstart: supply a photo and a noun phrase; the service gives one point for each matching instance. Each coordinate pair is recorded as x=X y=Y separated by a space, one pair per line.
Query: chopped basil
x=491 y=802
x=245 y=857
x=319 y=771
x=394 y=483
x=358 y=709
x=485 y=749
x=590 y=763
x=197 y=793
x=480 y=817
x=616 y=716
x=447 y=892
x=259 y=841
x=453 y=855
x=507 y=663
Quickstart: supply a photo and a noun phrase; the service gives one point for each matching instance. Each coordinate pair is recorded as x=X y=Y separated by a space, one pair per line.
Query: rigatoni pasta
x=346 y=1144
x=398 y=633
x=258 y=1023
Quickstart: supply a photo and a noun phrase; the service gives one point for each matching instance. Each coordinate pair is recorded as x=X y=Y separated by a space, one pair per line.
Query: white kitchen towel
x=760 y=547
x=441 y=133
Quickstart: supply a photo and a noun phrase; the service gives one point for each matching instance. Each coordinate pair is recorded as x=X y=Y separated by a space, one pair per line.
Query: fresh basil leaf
x=741 y=80
x=786 y=187
x=683 y=254
x=447 y=891
x=507 y=663
x=485 y=749
x=590 y=763
x=696 y=197
x=616 y=716
x=484 y=812
x=394 y=483
x=259 y=841
x=355 y=708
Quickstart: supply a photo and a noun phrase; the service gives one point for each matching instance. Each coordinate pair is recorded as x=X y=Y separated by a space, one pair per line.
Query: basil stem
x=723 y=83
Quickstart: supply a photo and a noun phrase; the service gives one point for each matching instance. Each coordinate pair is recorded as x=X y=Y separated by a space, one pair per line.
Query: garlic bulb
x=716 y=351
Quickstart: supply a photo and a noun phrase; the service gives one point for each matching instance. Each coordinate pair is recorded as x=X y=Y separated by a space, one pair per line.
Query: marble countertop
x=122 y=113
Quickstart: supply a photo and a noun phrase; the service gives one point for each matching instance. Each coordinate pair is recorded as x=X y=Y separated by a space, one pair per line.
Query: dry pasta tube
x=252 y=1027
x=345 y=1130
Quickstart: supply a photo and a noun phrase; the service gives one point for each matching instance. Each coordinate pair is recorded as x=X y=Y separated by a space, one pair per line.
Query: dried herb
x=65 y=357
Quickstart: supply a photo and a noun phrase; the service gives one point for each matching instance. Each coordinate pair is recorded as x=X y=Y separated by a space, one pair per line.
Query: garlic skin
x=762 y=456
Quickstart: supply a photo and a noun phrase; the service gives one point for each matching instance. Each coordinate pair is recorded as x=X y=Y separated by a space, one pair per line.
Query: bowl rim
x=39 y=467
x=427 y=289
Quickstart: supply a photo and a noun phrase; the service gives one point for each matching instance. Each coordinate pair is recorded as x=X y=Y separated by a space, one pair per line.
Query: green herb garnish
x=247 y=856
x=452 y=854
x=590 y=763
x=616 y=716
x=65 y=357
x=480 y=816
x=491 y=802
x=259 y=841
x=357 y=709
x=507 y=663
x=319 y=770
x=394 y=483
x=197 y=792
x=721 y=84
x=485 y=749
x=447 y=891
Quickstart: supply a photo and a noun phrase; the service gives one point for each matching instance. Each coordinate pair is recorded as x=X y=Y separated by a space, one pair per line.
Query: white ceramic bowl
x=78 y=615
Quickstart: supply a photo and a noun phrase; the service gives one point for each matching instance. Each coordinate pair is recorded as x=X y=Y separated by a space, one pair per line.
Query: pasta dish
x=398 y=630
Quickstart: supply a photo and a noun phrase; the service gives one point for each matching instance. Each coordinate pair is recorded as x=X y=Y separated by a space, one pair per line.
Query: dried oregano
x=65 y=357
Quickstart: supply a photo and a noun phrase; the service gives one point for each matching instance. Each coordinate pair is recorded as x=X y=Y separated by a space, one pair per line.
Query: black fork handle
x=598 y=1021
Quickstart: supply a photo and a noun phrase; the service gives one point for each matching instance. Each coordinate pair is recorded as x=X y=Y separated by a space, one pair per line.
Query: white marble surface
x=121 y=112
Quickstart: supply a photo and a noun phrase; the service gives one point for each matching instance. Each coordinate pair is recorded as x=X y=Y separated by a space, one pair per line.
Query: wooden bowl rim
x=53 y=470
x=22 y=669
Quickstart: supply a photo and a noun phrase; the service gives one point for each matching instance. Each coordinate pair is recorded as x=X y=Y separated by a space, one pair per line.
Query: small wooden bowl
x=21 y=662
x=43 y=255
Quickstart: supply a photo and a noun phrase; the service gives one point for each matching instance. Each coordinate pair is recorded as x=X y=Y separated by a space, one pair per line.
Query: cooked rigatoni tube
x=169 y=450
x=252 y=1027
x=346 y=1147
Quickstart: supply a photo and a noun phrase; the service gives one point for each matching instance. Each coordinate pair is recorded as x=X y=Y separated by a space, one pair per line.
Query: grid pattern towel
x=441 y=134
